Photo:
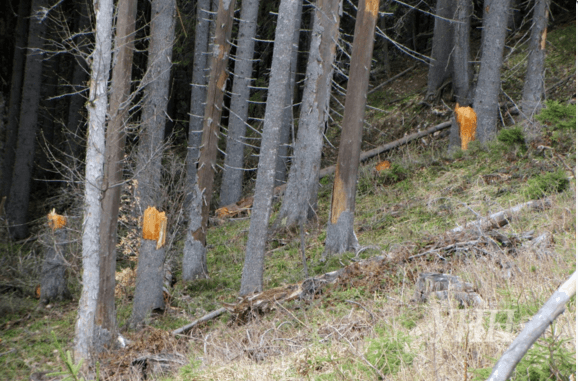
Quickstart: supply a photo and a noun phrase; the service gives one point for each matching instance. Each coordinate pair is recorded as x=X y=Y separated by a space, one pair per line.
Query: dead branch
x=392 y=79
x=533 y=330
x=205 y=318
x=497 y=220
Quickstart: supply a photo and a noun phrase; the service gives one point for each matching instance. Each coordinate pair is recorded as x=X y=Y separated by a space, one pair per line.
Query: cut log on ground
x=502 y=218
x=533 y=330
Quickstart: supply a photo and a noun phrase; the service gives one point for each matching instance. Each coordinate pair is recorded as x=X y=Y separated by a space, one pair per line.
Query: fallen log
x=389 y=146
x=205 y=318
x=533 y=330
x=499 y=219
x=245 y=204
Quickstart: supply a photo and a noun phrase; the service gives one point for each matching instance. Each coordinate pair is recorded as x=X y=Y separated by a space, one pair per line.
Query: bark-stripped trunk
x=287 y=127
x=113 y=165
x=148 y=293
x=15 y=97
x=198 y=90
x=252 y=279
x=489 y=81
x=19 y=195
x=340 y=234
x=301 y=193
x=97 y=111
x=462 y=66
x=441 y=66
x=75 y=126
x=194 y=256
x=232 y=183
x=534 y=92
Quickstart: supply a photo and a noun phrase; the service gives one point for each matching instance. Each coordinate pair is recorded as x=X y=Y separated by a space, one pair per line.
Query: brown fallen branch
x=245 y=204
x=497 y=220
x=392 y=79
x=533 y=330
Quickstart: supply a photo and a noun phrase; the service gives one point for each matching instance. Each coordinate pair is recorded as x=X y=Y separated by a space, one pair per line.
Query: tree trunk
x=17 y=209
x=489 y=81
x=148 y=293
x=113 y=165
x=252 y=279
x=462 y=66
x=194 y=256
x=232 y=183
x=15 y=97
x=53 y=282
x=75 y=127
x=97 y=111
x=198 y=90
x=534 y=92
x=441 y=66
x=287 y=126
x=47 y=114
x=340 y=234
x=301 y=193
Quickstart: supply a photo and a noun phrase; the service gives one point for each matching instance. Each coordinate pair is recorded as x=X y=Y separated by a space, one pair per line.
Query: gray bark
x=17 y=205
x=232 y=182
x=149 y=284
x=489 y=81
x=252 y=278
x=113 y=166
x=301 y=194
x=75 y=125
x=441 y=66
x=534 y=93
x=194 y=253
x=462 y=66
x=53 y=284
x=97 y=110
x=533 y=330
x=15 y=97
x=287 y=127
x=340 y=234
x=198 y=90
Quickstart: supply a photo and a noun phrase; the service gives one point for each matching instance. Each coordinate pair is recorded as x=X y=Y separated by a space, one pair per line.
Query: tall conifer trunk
x=148 y=294
x=340 y=234
x=252 y=279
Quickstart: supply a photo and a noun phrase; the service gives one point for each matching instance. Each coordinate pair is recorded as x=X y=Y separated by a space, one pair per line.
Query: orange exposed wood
x=382 y=166
x=467 y=121
x=56 y=221
x=154 y=226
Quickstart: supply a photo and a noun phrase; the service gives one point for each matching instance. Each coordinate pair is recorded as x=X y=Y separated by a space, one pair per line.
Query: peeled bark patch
x=56 y=221
x=467 y=121
x=154 y=226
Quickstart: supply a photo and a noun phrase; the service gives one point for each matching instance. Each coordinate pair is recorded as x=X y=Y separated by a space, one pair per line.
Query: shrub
x=547 y=183
x=560 y=116
x=511 y=136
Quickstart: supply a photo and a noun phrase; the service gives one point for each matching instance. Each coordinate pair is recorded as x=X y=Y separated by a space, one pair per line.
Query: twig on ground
x=205 y=318
x=362 y=306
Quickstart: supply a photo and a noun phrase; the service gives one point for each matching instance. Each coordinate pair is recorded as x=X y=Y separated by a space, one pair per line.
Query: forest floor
x=367 y=324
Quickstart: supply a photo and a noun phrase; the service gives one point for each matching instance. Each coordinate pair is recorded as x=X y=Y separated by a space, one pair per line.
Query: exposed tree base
x=340 y=236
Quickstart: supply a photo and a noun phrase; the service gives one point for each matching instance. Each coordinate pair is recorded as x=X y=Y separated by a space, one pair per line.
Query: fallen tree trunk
x=245 y=204
x=205 y=318
x=533 y=330
x=502 y=218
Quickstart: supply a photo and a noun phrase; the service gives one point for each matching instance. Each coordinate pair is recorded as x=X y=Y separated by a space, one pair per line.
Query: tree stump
x=53 y=283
